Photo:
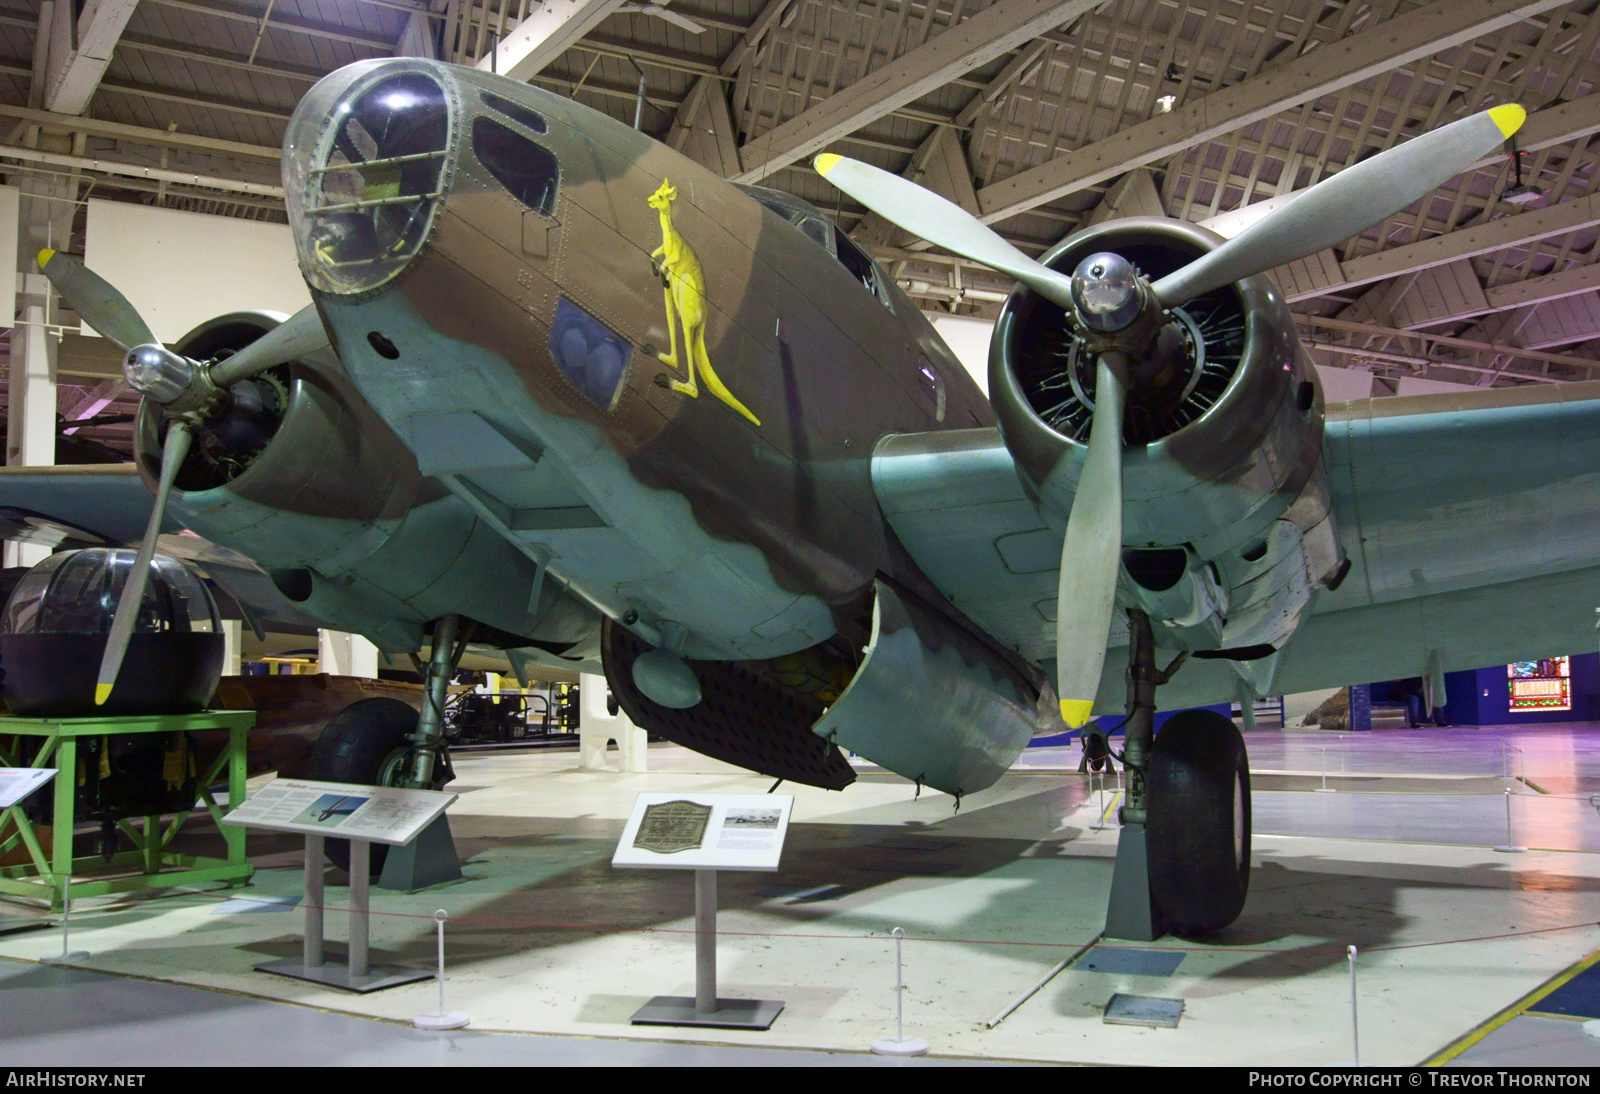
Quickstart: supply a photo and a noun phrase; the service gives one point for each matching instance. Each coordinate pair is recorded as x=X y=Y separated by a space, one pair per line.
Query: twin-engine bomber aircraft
x=564 y=392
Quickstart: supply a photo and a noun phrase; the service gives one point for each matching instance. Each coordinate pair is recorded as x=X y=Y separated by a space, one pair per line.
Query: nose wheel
x=1183 y=855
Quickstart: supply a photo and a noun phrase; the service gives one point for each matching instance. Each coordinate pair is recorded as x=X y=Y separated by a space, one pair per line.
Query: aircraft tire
x=353 y=748
x=1198 y=829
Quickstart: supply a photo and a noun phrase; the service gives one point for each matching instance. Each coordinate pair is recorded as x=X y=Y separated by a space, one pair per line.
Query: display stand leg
x=360 y=905
x=314 y=866
x=705 y=1009
x=705 y=942
x=357 y=973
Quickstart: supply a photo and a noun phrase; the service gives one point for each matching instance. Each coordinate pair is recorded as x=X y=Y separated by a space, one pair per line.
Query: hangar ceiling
x=1039 y=115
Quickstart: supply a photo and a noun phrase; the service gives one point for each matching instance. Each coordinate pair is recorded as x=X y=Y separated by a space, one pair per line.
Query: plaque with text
x=669 y=827
x=383 y=814
x=706 y=831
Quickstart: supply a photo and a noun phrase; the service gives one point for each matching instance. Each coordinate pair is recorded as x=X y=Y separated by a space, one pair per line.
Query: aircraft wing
x=74 y=505
x=94 y=505
x=1472 y=521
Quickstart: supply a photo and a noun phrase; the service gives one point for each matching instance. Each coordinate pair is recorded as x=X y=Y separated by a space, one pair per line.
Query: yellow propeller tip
x=824 y=163
x=45 y=256
x=102 y=692
x=1508 y=118
x=1076 y=712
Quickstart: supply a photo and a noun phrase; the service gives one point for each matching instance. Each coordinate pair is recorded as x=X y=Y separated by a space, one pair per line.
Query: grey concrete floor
x=551 y=950
x=53 y=1016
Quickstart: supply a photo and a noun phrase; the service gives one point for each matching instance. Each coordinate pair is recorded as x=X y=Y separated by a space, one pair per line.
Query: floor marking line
x=1522 y=1005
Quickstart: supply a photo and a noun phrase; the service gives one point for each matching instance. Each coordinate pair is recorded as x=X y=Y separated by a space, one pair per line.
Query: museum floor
x=547 y=939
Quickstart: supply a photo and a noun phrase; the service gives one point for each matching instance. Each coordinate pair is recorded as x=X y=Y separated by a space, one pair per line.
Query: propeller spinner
x=1120 y=316
x=189 y=393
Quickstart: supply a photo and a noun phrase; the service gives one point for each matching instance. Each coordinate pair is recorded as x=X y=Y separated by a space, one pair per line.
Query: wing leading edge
x=1472 y=520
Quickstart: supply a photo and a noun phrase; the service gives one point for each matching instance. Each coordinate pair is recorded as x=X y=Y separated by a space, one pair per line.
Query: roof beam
x=1367 y=329
x=80 y=50
x=1399 y=41
x=752 y=37
x=1538 y=290
x=991 y=33
x=549 y=31
x=1480 y=239
x=138 y=134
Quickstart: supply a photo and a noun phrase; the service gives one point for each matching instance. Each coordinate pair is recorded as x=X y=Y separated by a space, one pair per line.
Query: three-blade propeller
x=189 y=393
x=1100 y=300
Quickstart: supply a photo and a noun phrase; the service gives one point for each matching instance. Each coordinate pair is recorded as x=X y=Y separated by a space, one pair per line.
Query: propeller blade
x=95 y=300
x=943 y=223
x=1345 y=204
x=297 y=336
x=172 y=455
x=1091 y=556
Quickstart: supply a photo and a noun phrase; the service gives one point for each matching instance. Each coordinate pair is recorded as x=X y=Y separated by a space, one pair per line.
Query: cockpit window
x=526 y=169
x=516 y=112
x=825 y=234
x=865 y=270
x=370 y=198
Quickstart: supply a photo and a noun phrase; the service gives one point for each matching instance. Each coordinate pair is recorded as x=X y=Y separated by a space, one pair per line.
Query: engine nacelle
x=1223 y=483
x=917 y=694
x=301 y=475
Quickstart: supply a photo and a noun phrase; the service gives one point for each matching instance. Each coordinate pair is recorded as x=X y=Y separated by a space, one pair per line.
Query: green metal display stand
x=157 y=867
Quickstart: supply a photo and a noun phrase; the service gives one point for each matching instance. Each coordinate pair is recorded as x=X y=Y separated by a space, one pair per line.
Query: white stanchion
x=899 y=1044
x=441 y=1018
x=1100 y=824
x=1510 y=846
x=1355 y=1026
x=1325 y=788
x=68 y=955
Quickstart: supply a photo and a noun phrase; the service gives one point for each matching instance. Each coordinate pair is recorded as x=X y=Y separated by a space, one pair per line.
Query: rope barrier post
x=441 y=1019
x=1325 y=788
x=899 y=1044
x=1510 y=846
x=1355 y=1026
x=68 y=955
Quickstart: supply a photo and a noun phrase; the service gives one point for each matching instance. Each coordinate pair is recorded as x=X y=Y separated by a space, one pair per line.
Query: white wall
x=1340 y=385
x=340 y=653
x=968 y=339
x=1414 y=385
x=10 y=227
x=180 y=269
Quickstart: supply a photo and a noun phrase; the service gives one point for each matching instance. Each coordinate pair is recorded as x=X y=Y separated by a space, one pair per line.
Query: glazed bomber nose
x=374 y=174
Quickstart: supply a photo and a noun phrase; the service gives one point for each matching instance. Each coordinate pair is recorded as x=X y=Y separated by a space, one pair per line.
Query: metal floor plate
x=1155 y=1011
x=678 y=1010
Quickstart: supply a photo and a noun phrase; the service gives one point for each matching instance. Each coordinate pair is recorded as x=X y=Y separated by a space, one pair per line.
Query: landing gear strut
x=384 y=742
x=426 y=763
x=1183 y=856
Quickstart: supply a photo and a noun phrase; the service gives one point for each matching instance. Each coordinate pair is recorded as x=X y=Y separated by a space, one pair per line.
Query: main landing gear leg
x=431 y=857
x=1183 y=858
x=1131 y=912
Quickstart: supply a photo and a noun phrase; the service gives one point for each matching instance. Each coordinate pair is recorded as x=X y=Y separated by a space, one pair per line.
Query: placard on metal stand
x=364 y=815
x=706 y=833
x=17 y=783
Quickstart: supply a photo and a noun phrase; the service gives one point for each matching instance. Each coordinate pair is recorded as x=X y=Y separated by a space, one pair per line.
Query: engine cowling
x=1222 y=475
x=301 y=475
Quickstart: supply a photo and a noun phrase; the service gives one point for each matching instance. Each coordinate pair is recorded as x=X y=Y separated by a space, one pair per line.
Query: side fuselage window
x=526 y=169
x=861 y=267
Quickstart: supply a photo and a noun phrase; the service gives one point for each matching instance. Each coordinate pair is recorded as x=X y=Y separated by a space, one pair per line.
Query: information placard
x=705 y=831
x=17 y=783
x=382 y=814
